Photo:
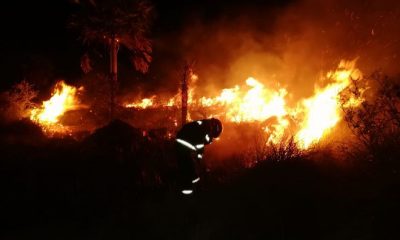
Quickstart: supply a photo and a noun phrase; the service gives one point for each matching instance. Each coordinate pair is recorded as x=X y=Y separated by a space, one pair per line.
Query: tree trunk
x=113 y=74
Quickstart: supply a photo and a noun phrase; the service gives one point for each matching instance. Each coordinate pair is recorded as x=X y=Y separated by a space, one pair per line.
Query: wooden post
x=184 y=92
x=113 y=73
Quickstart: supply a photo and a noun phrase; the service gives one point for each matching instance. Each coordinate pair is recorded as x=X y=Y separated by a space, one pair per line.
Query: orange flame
x=251 y=103
x=63 y=99
x=144 y=103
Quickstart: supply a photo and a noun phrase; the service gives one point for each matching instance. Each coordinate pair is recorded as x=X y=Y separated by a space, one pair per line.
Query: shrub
x=376 y=121
x=18 y=101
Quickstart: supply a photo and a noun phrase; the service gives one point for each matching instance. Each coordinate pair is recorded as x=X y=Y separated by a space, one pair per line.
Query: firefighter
x=190 y=142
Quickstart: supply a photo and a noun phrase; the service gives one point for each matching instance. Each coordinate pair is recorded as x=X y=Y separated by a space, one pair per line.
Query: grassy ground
x=118 y=185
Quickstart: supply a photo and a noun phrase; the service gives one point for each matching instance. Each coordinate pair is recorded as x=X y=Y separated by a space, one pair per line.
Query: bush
x=18 y=102
x=376 y=121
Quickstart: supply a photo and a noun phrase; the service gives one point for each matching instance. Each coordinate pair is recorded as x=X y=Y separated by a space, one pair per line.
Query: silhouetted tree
x=116 y=23
x=376 y=121
x=187 y=77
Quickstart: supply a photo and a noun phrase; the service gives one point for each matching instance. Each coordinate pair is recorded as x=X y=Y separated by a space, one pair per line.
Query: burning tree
x=117 y=23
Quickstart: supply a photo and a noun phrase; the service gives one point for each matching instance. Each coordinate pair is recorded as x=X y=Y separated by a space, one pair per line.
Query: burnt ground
x=116 y=184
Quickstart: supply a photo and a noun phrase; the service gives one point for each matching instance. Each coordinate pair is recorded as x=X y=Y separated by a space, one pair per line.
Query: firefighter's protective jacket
x=195 y=135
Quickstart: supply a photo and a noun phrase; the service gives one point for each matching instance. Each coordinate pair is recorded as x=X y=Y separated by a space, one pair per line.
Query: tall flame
x=322 y=111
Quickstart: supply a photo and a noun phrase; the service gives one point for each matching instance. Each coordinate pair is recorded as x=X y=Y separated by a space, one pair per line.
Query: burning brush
x=64 y=98
x=308 y=120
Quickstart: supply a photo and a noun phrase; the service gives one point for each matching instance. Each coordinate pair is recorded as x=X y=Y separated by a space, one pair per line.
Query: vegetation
x=18 y=101
x=121 y=182
x=116 y=23
x=376 y=122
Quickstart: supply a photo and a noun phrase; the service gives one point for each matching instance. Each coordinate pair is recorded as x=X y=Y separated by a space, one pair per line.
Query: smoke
x=288 y=46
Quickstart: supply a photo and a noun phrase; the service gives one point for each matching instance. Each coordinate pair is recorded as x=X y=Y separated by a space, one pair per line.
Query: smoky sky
x=35 y=37
x=183 y=31
x=282 y=43
x=288 y=45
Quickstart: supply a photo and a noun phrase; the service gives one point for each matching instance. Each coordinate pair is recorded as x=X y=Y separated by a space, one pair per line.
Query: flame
x=63 y=99
x=253 y=102
x=144 y=103
x=173 y=101
x=277 y=131
x=315 y=116
x=322 y=111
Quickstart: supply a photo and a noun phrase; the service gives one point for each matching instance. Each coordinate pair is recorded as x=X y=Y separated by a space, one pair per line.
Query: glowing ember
x=144 y=103
x=63 y=99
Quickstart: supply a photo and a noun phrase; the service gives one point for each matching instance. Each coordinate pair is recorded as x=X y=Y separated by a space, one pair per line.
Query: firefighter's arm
x=199 y=151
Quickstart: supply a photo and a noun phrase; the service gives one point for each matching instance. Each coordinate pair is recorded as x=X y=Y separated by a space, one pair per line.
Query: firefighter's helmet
x=216 y=127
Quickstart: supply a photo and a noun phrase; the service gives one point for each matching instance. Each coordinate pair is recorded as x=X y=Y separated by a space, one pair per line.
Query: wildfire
x=48 y=115
x=322 y=111
x=152 y=102
x=309 y=120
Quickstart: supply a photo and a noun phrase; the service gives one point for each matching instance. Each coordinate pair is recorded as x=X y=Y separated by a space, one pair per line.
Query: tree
x=116 y=23
x=188 y=77
x=376 y=121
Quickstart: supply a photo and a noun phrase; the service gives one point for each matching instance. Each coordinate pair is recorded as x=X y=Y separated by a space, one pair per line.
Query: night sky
x=36 y=44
